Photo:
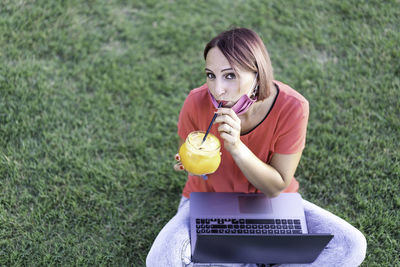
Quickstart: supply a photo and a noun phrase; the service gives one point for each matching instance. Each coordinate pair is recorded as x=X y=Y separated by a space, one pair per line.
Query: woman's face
x=224 y=83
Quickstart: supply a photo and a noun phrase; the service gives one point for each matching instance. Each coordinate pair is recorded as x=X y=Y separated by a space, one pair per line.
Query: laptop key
x=219 y=226
x=297 y=232
x=260 y=221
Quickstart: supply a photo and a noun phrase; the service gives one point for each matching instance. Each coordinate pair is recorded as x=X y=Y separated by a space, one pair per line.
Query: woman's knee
x=167 y=246
x=175 y=253
x=350 y=245
x=150 y=259
x=358 y=246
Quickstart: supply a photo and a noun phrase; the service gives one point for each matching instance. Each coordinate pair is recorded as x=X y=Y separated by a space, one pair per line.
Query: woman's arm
x=271 y=178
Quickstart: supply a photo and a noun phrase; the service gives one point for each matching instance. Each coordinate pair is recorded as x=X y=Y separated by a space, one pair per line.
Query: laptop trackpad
x=254 y=204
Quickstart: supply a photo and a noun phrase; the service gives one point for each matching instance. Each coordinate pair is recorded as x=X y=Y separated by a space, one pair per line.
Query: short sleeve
x=186 y=123
x=293 y=128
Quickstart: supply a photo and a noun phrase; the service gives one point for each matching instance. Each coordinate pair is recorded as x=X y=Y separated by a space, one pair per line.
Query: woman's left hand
x=229 y=128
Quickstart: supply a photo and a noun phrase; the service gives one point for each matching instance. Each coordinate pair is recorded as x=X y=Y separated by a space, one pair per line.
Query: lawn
x=90 y=93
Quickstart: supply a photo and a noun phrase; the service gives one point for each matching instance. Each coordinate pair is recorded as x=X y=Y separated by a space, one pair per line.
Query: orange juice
x=198 y=158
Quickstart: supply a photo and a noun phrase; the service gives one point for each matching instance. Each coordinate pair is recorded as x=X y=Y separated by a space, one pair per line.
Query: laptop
x=251 y=228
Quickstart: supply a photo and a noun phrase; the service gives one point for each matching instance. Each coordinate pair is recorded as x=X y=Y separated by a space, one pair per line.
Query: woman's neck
x=257 y=112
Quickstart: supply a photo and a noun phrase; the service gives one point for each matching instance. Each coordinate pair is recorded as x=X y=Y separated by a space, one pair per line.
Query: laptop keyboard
x=248 y=226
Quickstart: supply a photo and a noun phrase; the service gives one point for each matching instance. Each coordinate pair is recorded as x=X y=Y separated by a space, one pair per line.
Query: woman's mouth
x=225 y=104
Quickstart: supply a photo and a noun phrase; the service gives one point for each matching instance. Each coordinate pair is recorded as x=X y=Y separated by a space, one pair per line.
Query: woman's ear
x=255 y=92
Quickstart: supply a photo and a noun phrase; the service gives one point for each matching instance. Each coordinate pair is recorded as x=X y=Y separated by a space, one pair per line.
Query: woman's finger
x=227 y=111
x=228 y=120
x=228 y=116
x=227 y=129
x=179 y=167
x=228 y=138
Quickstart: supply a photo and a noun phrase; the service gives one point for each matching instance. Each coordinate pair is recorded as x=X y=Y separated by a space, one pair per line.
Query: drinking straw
x=211 y=123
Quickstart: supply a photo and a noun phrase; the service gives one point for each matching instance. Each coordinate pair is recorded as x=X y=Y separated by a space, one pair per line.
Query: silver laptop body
x=251 y=228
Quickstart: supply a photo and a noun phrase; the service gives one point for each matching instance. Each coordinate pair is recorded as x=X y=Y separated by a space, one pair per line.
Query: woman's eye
x=230 y=76
x=210 y=75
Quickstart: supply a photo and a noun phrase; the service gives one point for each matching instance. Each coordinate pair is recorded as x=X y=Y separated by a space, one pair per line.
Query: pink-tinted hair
x=243 y=48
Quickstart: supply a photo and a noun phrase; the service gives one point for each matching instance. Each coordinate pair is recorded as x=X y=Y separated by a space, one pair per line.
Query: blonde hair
x=244 y=48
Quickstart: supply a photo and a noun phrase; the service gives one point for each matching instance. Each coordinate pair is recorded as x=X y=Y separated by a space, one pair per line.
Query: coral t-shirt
x=283 y=131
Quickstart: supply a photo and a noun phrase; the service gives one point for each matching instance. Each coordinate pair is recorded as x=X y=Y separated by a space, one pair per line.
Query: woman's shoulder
x=288 y=94
x=290 y=104
x=198 y=92
x=198 y=96
x=198 y=99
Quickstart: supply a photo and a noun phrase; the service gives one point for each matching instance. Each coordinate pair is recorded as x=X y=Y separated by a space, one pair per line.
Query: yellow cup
x=200 y=158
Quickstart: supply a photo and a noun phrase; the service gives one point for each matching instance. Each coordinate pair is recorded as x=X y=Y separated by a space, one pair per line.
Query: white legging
x=346 y=249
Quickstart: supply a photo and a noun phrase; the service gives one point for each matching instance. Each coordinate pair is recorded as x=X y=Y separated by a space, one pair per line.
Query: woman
x=262 y=124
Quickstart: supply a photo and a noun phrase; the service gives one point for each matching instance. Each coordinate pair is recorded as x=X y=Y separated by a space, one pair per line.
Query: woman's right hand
x=179 y=167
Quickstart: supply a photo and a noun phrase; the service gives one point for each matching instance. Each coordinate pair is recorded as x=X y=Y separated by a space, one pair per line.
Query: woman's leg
x=167 y=247
x=172 y=245
x=348 y=246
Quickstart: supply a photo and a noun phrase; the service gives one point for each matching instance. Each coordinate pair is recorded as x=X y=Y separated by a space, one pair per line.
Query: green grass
x=90 y=93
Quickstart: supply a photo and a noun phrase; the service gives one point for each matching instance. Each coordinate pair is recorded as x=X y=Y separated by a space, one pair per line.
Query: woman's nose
x=219 y=89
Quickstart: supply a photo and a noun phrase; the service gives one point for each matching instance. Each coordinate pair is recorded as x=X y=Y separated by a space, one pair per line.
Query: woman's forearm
x=263 y=176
